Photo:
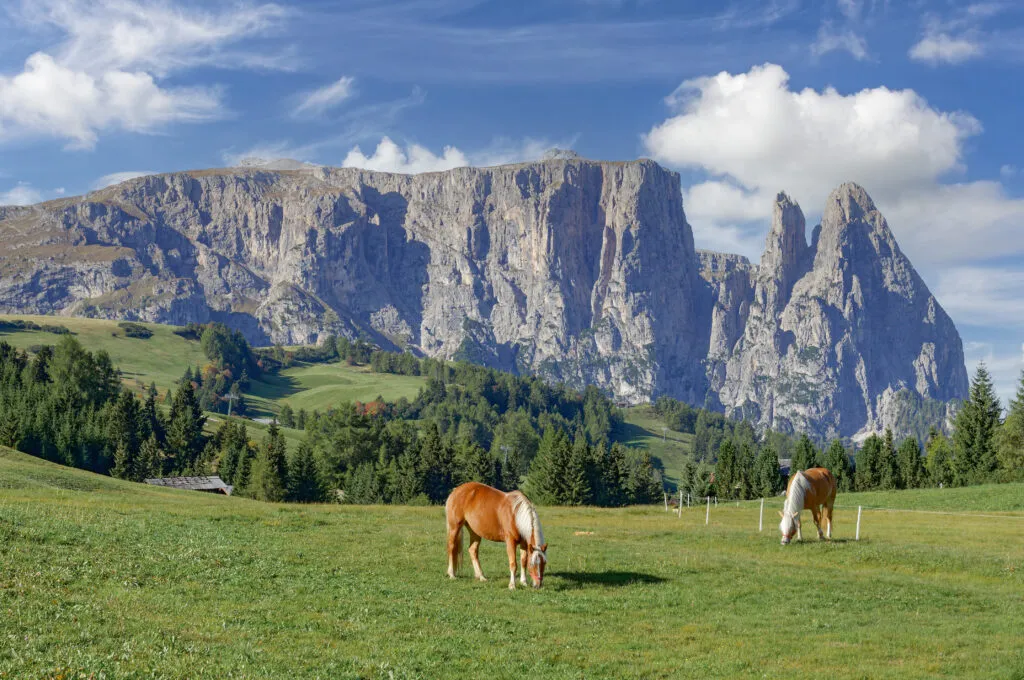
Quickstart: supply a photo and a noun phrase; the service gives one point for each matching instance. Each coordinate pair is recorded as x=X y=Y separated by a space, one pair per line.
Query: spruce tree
x=286 y=417
x=149 y=462
x=438 y=460
x=838 y=463
x=867 y=472
x=612 y=472
x=726 y=472
x=185 y=439
x=939 y=459
x=1010 y=438
x=305 y=484
x=888 y=472
x=408 y=481
x=150 y=421
x=767 y=480
x=577 y=474
x=545 y=482
x=269 y=476
x=805 y=456
x=974 y=455
x=908 y=461
x=124 y=463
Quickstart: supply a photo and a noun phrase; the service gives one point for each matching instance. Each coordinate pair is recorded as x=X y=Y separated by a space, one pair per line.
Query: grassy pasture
x=642 y=429
x=122 y=580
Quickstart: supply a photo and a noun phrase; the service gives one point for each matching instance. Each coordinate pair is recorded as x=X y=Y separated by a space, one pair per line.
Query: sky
x=917 y=101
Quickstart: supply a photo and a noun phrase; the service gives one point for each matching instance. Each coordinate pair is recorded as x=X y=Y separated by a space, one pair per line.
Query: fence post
x=680 y=504
x=859 y=508
x=760 y=520
x=665 y=493
x=707 y=516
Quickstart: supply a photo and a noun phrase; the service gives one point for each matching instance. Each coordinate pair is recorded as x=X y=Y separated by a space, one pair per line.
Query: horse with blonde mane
x=497 y=516
x=813 y=490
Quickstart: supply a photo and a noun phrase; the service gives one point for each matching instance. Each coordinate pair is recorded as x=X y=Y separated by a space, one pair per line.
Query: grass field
x=643 y=429
x=121 y=580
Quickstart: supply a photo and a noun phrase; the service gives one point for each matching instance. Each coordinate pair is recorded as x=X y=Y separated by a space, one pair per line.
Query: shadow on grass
x=606 y=579
x=815 y=541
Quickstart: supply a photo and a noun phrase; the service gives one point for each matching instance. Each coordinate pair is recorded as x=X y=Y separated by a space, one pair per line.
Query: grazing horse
x=497 y=516
x=813 y=489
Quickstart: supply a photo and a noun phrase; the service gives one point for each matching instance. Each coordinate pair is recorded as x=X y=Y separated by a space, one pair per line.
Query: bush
x=135 y=330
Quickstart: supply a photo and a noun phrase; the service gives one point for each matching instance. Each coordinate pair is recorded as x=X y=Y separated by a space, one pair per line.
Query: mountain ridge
x=581 y=271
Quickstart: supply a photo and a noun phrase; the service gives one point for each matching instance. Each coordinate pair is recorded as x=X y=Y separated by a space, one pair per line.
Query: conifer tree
x=408 y=481
x=185 y=439
x=908 y=461
x=888 y=472
x=124 y=463
x=438 y=460
x=766 y=479
x=1010 y=438
x=612 y=472
x=726 y=470
x=838 y=463
x=269 y=476
x=545 y=482
x=576 y=473
x=974 y=455
x=286 y=417
x=305 y=484
x=805 y=456
x=149 y=462
x=867 y=472
x=939 y=460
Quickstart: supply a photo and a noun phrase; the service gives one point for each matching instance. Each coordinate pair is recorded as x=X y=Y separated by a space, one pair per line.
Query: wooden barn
x=213 y=484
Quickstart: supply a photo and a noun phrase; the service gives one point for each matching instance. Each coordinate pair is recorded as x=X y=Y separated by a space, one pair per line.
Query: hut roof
x=211 y=483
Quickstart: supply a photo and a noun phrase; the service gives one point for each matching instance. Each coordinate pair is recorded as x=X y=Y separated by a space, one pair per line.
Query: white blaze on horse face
x=538 y=560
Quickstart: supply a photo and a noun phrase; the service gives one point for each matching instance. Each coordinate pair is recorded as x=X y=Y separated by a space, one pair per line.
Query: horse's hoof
x=481 y=579
x=511 y=586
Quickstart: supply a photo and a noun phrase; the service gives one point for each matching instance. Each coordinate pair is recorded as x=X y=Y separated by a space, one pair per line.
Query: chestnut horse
x=497 y=516
x=813 y=490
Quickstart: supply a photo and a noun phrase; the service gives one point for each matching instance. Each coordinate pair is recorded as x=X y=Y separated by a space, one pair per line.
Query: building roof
x=212 y=483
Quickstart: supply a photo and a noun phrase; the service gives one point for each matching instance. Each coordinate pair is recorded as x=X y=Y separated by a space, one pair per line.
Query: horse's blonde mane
x=527 y=522
x=798 y=488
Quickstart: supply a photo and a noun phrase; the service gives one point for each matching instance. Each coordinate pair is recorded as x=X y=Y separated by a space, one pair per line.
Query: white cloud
x=1007 y=171
x=504 y=151
x=830 y=40
x=942 y=48
x=106 y=73
x=22 y=194
x=118 y=177
x=389 y=157
x=1005 y=368
x=983 y=296
x=321 y=100
x=850 y=8
x=755 y=136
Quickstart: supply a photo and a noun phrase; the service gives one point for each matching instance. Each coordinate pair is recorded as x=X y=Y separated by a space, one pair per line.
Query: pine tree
x=269 y=476
x=805 y=456
x=726 y=472
x=767 y=481
x=838 y=463
x=888 y=472
x=545 y=482
x=1010 y=438
x=576 y=474
x=612 y=472
x=939 y=460
x=438 y=460
x=305 y=484
x=286 y=417
x=408 y=480
x=124 y=463
x=974 y=455
x=149 y=462
x=150 y=421
x=745 y=468
x=908 y=462
x=185 y=439
x=867 y=472
x=686 y=474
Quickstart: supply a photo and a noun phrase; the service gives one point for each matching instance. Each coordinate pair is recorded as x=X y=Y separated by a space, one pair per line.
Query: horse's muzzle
x=785 y=540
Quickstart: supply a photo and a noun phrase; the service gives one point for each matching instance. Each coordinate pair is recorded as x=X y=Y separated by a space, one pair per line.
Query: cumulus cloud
x=414 y=159
x=983 y=296
x=106 y=73
x=942 y=48
x=1004 y=366
x=754 y=136
x=118 y=177
x=21 y=194
x=831 y=40
x=319 y=101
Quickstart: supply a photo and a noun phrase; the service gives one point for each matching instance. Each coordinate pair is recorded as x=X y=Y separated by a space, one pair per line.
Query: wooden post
x=680 y=503
x=760 y=521
x=665 y=493
x=707 y=516
x=859 y=508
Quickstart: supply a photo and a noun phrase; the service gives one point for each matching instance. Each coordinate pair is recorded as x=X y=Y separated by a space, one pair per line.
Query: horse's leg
x=474 y=548
x=796 y=519
x=510 y=545
x=828 y=518
x=454 y=547
x=524 y=555
x=816 y=513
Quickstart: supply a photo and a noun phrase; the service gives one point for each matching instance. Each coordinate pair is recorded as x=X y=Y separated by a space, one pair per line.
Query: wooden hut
x=212 y=484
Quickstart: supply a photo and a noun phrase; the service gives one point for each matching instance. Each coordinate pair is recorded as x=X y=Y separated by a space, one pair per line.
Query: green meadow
x=110 y=579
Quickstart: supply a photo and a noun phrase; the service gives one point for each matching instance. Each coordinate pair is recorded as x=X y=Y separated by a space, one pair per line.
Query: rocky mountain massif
x=580 y=271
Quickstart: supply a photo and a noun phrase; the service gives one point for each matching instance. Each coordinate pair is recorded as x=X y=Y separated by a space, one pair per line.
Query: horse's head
x=789 y=525
x=538 y=560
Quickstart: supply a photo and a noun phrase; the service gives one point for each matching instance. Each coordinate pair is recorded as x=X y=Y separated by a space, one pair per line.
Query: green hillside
x=104 y=578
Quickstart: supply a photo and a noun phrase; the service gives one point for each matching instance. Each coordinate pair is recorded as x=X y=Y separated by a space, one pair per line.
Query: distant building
x=212 y=484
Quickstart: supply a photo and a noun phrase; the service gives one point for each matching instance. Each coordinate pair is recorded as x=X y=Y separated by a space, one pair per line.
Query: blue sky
x=917 y=101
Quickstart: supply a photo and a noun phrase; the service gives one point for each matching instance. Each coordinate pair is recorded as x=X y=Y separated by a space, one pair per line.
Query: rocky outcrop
x=581 y=271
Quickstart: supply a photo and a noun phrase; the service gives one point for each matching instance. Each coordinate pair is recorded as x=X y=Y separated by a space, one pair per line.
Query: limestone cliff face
x=839 y=331
x=580 y=271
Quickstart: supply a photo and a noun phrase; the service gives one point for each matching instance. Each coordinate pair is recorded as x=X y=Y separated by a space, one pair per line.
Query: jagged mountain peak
x=847 y=203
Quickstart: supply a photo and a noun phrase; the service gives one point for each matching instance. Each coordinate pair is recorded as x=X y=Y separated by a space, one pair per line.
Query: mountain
x=581 y=271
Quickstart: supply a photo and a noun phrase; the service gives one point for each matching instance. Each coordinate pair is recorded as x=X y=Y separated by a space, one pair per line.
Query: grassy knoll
x=122 y=580
x=321 y=386
x=642 y=429
x=161 y=359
